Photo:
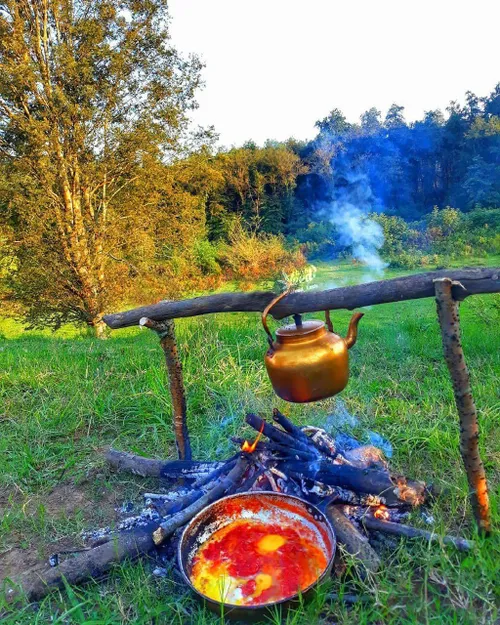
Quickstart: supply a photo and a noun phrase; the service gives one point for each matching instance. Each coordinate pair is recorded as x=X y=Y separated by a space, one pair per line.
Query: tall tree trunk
x=99 y=327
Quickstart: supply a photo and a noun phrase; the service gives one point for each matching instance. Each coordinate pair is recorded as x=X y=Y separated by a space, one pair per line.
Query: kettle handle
x=265 y=312
x=328 y=319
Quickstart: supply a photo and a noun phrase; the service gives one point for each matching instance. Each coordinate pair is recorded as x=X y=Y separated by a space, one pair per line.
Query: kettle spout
x=352 y=332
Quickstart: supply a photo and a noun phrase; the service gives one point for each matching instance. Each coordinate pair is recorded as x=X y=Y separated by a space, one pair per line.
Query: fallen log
x=480 y=280
x=150 y=467
x=354 y=542
x=399 y=529
x=91 y=564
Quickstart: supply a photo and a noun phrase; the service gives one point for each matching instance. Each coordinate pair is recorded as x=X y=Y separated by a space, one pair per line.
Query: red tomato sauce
x=251 y=563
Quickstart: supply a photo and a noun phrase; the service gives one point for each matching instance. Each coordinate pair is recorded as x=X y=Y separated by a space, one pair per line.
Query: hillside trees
x=92 y=97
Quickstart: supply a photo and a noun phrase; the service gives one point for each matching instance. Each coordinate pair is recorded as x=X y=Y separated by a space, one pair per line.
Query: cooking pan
x=294 y=536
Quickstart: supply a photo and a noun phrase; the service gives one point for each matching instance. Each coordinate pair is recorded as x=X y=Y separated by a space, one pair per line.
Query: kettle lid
x=306 y=328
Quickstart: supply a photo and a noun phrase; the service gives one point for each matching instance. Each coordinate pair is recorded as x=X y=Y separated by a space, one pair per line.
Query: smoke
x=349 y=211
x=361 y=233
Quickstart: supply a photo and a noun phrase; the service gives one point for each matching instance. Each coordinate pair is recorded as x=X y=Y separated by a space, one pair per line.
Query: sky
x=274 y=67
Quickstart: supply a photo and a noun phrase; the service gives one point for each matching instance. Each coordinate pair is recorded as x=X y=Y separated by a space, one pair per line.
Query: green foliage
x=445 y=235
x=252 y=256
x=205 y=257
x=318 y=239
x=93 y=96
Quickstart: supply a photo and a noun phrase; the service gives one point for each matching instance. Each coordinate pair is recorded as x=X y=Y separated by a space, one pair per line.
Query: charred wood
x=355 y=543
x=276 y=435
x=408 y=531
x=272 y=447
x=224 y=487
x=150 y=467
x=290 y=427
x=370 y=480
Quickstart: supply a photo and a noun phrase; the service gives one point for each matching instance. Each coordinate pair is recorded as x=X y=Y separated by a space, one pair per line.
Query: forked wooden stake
x=447 y=309
x=166 y=333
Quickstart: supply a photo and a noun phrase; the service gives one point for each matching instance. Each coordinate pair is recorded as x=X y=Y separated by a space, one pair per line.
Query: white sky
x=274 y=67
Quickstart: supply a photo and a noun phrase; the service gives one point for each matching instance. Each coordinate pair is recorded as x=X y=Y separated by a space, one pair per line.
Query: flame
x=382 y=513
x=250 y=448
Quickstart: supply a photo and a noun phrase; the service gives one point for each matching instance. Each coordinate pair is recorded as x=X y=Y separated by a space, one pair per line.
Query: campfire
x=351 y=483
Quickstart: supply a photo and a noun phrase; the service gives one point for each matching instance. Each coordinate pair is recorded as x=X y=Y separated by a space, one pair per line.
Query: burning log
x=394 y=490
x=278 y=436
x=149 y=467
x=447 y=308
x=283 y=450
x=355 y=543
x=482 y=280
x=399 y=529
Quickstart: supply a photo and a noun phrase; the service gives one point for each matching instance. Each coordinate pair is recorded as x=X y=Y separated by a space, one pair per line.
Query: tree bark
x=166 y=333
x=484 y=280
x=399 y=529
x=447 y=309
x=150 y=467
x=355 y=543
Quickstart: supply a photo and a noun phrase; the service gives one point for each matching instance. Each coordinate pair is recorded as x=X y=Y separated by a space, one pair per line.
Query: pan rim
x=262 y=606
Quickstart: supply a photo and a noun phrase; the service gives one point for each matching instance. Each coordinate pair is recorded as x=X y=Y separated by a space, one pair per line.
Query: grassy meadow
x=66 y=396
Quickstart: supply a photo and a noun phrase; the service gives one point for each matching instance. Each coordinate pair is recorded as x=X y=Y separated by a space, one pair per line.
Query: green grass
x=64 y=397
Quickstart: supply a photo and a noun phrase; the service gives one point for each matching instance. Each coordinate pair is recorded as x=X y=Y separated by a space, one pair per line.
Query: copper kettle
x=307 y=362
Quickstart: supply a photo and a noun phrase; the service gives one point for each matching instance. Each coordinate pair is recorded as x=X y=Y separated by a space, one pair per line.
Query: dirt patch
x=94 y=500
x=65 y=498
x=17 y=560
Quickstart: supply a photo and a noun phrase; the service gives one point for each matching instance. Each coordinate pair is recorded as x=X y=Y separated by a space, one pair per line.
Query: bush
x=318 y=240
x=253 y=256
x=205 y=256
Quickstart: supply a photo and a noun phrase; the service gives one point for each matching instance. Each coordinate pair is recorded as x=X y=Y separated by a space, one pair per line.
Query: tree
x=90 y=93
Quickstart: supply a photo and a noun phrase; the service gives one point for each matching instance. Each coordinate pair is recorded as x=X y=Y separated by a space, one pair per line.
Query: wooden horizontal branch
x=481 y=280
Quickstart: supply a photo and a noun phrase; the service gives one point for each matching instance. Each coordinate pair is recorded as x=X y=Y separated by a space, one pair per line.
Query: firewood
x=447 y=308
x=273 y=447
x=198 y=490
x=150 y=467
x=481 y=280
x=290 y=427
x=276 y=435
x=229 y=482
x=375 y=481
x=399 y=529
x=355 y=543
x=322 y=441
